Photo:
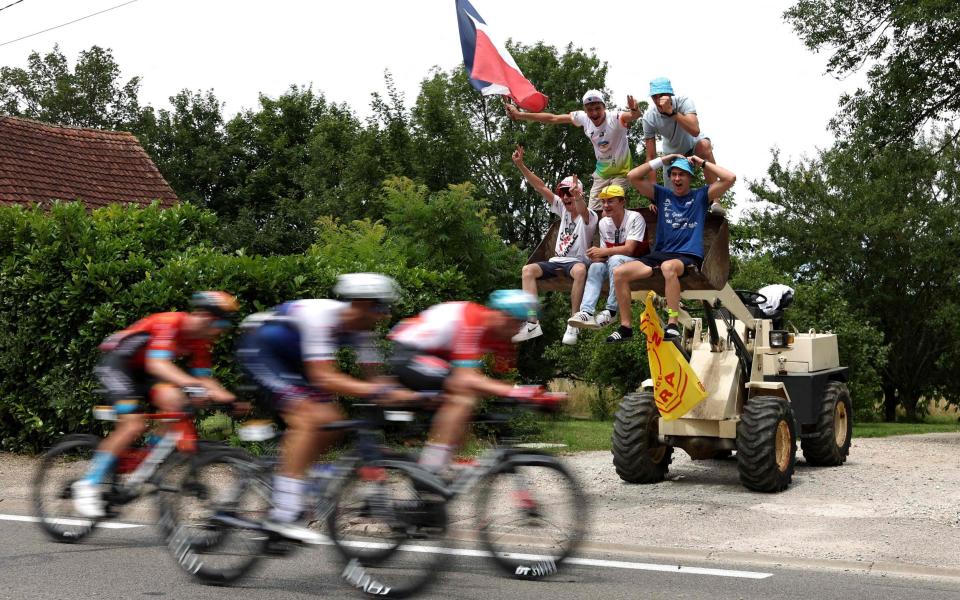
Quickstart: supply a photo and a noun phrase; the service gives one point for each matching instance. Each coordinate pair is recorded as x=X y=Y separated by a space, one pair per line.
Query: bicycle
x=139 y=472
x=371 y=538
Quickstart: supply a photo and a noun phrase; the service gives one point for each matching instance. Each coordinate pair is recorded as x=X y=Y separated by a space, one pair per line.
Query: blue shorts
x=655 y=259
x=553 y=268
x=270 y=355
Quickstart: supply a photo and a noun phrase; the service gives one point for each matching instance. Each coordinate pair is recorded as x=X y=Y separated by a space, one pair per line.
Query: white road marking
x=104 y=525
x=587 y=562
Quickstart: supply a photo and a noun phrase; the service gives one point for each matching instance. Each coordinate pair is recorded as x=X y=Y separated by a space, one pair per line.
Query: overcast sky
x=755 y=85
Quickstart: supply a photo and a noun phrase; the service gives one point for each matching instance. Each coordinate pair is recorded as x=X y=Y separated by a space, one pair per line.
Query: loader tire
x=831 y=444
x=766 y=444
x=638 y=455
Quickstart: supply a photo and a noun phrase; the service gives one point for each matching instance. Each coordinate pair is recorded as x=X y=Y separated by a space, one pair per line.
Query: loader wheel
x=766 y=444
x=638 y=455
x=831 y=444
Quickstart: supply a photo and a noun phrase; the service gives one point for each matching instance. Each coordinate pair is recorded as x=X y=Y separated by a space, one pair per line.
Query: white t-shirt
x=574 y=236
x=610 y=144
x=318 y=322
x=633 y=227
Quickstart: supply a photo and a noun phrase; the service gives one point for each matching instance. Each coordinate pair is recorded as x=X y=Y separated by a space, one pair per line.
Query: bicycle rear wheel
x=532 y=515
x=388 y=532
x=214 y=514
x=62 y=465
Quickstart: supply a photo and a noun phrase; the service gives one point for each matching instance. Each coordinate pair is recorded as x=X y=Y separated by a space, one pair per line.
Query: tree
x=855 y=216
x=912 y=47
x=92 y=95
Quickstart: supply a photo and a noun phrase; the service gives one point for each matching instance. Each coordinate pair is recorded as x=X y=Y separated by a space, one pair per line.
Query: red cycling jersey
x=455 y=331
x=167 y=341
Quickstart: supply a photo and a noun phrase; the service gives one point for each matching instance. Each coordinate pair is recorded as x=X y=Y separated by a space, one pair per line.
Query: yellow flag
x=676 y=388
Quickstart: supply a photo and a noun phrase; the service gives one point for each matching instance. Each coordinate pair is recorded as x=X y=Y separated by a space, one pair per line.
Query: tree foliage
x=911 y=49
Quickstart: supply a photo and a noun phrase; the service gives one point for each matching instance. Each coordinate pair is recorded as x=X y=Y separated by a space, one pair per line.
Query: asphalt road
x=132 y=563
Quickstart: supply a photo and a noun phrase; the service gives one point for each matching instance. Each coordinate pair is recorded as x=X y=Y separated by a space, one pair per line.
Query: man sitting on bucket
x=681 y=213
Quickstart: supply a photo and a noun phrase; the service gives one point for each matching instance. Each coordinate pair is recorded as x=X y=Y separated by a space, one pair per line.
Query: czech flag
x=490 y=67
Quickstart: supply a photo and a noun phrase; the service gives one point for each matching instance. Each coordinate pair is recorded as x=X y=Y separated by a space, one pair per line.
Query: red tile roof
x=41 y=162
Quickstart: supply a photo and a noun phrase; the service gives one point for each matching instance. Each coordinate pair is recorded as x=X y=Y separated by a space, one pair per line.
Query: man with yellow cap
x=622 y=235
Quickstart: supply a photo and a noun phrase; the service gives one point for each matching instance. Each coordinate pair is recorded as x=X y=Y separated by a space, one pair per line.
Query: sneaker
x=570 y=337
x=605 y=317
x=622 y=334
x=295 y=531
x=528 y=331
x=671 y=333
x=716 y=209
x=86 y=499
x=581 y=320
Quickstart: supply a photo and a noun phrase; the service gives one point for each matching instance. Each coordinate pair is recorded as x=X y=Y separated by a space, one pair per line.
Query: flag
x=676 y=388
x=491 y=69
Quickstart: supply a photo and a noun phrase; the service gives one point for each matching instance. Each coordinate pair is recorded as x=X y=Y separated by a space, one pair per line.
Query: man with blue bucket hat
x=674 y=119
x=681 y=214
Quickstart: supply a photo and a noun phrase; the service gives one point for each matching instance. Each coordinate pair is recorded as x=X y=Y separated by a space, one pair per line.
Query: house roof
x=40 y=162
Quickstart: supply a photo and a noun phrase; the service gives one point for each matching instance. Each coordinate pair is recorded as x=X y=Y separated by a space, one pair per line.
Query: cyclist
x=138 y=363
x=291 y=352
x=442 y=348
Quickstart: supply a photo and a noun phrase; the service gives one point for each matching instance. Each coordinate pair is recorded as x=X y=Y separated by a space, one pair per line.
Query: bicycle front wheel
x=214 y=515
x=388 y=531
x=62 y=466
x=532 y=515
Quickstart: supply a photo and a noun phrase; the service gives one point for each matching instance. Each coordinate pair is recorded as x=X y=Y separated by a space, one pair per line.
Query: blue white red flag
x=491 y=69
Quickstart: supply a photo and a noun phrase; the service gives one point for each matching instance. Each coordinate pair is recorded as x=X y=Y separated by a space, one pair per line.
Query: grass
x=932 y=424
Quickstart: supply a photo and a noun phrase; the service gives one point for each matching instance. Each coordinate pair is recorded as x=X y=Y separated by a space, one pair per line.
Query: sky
x=755 y=85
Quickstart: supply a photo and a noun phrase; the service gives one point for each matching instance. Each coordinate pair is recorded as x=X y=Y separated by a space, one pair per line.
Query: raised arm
x=631 y=114
x=725 y=178
x=650 y=144
x=516 y=114
x=532 y=179
x=687 y=121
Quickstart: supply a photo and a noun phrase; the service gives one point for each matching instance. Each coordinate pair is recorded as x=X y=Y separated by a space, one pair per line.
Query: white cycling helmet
x=366 y=286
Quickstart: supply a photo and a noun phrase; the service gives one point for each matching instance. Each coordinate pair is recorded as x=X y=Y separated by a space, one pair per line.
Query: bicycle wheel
x=62 y=465
x=214 y=514
x=378 y=513
x=532 y=515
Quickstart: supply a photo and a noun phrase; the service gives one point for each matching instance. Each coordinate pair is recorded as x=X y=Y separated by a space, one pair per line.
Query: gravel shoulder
x=896 y=500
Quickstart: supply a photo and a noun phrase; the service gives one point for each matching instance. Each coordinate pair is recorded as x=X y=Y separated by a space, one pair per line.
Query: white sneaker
x=582 y=320
x=528 y=331
x=86 y=499
x=570 y=337
x=716 y=209
x=604 y=317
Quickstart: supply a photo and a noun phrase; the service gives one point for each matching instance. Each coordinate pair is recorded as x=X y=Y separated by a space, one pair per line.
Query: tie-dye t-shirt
x=610 y=144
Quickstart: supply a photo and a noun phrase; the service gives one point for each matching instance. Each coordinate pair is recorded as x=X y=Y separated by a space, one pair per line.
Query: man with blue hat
x=681 y=213
x=674 y=119
x=608 y=136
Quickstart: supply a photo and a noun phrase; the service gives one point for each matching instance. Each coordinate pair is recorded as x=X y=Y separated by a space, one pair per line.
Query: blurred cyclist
x=442 y=348
x=139 y=363
x=291 y=351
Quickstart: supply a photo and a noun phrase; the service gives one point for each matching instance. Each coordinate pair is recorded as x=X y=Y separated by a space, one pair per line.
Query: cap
x=680 y=163
x=593 y=96
x=612 y=191
x=568 y=183
x=661 y=85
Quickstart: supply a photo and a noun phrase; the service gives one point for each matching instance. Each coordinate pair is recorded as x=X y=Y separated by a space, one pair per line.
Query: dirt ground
x=896 y=500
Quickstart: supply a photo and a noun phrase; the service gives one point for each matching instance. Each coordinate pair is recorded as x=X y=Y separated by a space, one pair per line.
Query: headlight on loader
x=780 y=339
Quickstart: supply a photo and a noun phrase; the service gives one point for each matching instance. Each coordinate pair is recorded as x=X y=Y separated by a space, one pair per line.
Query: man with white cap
x=577 y=226
x=608 y=136
x=674 y=119
x=681 y=215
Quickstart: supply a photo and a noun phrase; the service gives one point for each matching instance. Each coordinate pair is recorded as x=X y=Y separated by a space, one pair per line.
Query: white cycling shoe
x=87 y=500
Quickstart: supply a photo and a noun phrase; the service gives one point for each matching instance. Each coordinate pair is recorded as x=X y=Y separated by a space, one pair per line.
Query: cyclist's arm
x=465 y=379
x=324 y=374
